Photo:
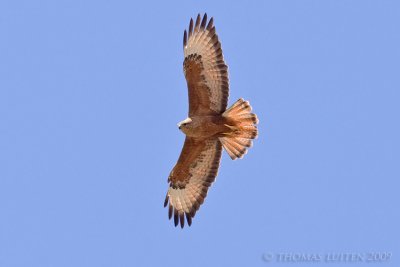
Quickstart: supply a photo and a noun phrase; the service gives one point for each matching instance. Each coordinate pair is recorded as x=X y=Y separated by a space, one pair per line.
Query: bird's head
x=185 y=125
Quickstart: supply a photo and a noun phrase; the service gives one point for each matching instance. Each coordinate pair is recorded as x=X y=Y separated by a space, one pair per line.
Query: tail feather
x=246 y=119
x=234 y=150
x=238 y=108
x=244 y=129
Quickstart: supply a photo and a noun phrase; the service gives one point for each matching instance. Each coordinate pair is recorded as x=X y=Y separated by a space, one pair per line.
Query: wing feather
x=191 y=178
x=205 y=70
x=191 y=27
x=197 y=22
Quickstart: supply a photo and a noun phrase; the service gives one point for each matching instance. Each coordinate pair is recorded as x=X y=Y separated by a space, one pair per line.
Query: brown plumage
x=210 y=126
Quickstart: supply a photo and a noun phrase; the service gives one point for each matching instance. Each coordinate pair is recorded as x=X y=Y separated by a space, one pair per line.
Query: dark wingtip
x=197 y=22
x=166 y=200
x=182 y=219
x=170 y=211
x=191 y=27
x=176 y=218
x=210 y=23
x=204 y=21
x=184 y=38
x=189 y=219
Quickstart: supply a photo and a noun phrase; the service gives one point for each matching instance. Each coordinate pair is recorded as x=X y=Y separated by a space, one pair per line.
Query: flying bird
x=209 y=126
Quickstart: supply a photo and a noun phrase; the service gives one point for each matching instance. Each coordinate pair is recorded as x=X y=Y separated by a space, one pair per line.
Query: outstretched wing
x=205 y=70
x=191 y=177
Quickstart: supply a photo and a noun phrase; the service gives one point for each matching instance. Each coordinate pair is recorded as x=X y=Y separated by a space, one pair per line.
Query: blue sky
x=90 y=94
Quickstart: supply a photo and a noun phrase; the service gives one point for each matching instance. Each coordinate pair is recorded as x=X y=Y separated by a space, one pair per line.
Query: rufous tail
x=243 y=128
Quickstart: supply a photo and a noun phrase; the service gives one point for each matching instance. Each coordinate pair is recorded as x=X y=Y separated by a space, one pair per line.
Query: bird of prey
x=209 y=126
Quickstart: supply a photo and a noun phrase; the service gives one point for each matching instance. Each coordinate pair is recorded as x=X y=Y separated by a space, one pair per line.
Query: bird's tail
x=242 y=125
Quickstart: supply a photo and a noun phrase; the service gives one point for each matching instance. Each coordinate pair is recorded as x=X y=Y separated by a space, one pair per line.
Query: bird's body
x=210 y=126
x=205 y=126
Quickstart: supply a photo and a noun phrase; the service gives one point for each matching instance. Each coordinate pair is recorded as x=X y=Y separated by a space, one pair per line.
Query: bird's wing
x=191 y=177
x=205 y=70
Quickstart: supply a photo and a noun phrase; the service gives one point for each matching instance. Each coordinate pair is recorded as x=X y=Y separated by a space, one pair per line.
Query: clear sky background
x=90 y=94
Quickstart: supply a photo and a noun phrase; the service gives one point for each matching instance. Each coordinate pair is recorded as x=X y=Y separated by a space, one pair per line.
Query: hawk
x=210 y=125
